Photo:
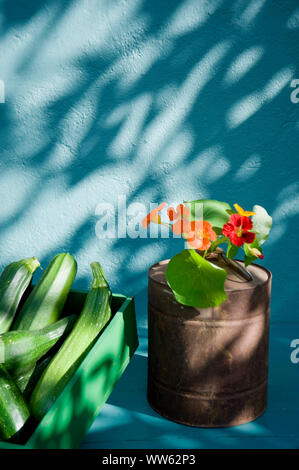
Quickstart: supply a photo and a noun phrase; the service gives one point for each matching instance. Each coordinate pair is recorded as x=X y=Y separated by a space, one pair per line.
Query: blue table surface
x=128 y=422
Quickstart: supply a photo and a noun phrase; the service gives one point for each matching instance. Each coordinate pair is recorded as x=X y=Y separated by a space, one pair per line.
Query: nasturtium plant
x=205 y=224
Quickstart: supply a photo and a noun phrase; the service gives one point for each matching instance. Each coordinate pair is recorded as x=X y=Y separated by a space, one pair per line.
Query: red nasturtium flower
x=201 y=235
x=153 y=216
x=181 y=216
x=237 y=229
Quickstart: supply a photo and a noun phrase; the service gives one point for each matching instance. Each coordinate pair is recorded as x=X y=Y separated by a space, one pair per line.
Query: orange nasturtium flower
x=153 y=216
x=181 y=216
x=241 y=211
x=201 y=235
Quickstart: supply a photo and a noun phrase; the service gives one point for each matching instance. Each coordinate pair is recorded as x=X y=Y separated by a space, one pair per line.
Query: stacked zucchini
x=40 y=348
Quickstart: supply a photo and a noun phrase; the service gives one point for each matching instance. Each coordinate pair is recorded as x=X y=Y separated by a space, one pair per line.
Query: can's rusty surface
x=209 y=367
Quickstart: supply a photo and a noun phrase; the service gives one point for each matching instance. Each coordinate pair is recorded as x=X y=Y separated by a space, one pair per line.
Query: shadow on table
x=128 y=421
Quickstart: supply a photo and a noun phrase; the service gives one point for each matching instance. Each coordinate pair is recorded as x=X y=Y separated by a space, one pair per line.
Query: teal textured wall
x=156 y=100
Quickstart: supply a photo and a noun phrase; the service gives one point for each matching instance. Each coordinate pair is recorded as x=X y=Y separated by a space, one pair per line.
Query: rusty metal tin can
x=209 y=367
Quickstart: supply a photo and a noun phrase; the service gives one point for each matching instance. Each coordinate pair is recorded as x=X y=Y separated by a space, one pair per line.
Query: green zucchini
x=95 y=314
x=45 y=303
x=23 y=348
x=14 y=280
x=14 y=411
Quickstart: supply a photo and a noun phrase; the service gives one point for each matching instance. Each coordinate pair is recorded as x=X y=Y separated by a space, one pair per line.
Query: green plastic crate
x=67 y=422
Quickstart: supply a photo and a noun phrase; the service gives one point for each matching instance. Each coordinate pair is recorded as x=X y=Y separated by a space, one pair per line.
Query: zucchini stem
x=99 y=279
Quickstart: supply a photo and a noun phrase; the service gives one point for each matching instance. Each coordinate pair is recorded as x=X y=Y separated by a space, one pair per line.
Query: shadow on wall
x=152 y=100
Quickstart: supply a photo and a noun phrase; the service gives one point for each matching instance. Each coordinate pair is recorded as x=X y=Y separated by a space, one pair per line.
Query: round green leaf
x=194 y=281
x=262 y=223
x=215 y=212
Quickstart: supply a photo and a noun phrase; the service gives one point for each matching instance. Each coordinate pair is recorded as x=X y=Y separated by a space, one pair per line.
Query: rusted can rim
x=269 y=278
